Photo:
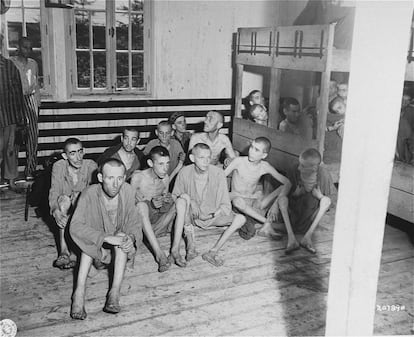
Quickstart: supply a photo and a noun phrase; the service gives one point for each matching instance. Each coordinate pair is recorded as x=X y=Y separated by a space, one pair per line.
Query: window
x=110 y=46
x=26 y=18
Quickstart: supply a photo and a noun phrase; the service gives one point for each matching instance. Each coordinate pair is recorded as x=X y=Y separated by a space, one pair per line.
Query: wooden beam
x=378 y=61
x=324 y=93
x=274 y=98
x=238 y=89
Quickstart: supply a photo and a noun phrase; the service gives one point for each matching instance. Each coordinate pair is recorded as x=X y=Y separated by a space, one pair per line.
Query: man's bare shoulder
x=139 y=175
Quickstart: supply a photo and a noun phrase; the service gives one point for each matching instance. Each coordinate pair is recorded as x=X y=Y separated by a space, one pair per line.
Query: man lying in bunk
x=309 y=199
x=164 y=132
x=247 y=195
x=70 y=176
x=204 y=188
x=157 y=207
x=126 y=151
x=258 y=114
x=296 y=122
x=105 y=226
x=212 y=137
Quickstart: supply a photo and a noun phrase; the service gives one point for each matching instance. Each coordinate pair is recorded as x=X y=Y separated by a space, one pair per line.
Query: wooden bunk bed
x=310 y=49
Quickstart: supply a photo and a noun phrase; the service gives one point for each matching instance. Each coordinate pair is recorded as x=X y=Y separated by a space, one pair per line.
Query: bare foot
x=176 y=258
x=268 y=232
x=112 y=302
x=163 y=263
x=307 y=244
x=77 y=310
x=291 y=247
x=212 y=258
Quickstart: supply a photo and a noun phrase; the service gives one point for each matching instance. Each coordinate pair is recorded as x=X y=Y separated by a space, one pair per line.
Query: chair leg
x=26 y=206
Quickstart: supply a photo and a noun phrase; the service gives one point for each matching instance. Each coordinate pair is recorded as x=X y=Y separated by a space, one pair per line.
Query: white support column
x=379 y=51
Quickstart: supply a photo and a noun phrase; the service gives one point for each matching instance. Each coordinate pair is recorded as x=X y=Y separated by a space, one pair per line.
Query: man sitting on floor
x=127 y=152
x=309 y=199
x=105 y=226
x=212 y=137
x=204 y=187
x=247 y=194
x=164 y=133
x=70 y=176
x=157 y=207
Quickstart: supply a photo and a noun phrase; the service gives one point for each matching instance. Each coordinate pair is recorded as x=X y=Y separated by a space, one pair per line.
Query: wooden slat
x=285 y=142
x=134 y=103
x=117 y=116
x=197 y=127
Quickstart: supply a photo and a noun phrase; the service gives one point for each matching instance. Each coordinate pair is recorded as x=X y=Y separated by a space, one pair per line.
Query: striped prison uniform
x=11 y=113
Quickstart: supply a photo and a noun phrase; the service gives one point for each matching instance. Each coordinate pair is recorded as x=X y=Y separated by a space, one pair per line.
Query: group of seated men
x=107 y=220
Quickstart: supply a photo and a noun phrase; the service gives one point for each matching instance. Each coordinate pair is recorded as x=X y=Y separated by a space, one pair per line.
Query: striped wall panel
x=98 y=124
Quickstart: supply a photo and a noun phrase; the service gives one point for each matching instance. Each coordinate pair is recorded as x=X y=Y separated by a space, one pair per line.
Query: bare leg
x=77 y=310
x=211 y=255
x=306 y=241
x=188 y=228
x=181 y=207
x=292 y=243
x=240 y=204
x=160 y=256
x=112 y=302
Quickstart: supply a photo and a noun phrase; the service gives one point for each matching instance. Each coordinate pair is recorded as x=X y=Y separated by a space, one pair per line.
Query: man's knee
x=142 y=208
x=325 y=203
x=239 y=203
x=239 y=219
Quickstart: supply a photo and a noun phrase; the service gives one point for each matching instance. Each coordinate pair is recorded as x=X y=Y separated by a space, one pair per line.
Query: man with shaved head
x=212 y=137
x=106 y=225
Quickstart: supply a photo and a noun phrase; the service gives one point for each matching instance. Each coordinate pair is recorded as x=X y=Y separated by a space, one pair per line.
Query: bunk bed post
x=239 y=87
x=274 y=98
x=322 y=102
x=367 y=161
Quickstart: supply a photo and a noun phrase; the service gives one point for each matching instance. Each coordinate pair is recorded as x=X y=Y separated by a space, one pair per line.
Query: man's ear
x=150 y=162
x=172 y=132
x=156 y=132
x=65 y=156
x=100 y=177
x=265 y=155
x=219 y=125
x=192 y=157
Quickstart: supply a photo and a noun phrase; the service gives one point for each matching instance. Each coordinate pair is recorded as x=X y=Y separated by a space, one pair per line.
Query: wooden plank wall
x=98 y=124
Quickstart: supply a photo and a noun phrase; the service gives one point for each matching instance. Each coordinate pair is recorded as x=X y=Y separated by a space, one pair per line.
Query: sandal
x=112 y=304
x=212 y=258
x=63 y=262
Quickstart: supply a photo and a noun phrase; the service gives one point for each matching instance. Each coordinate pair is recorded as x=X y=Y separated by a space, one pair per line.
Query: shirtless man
x=157 y=207
x=204 y=188
x=212 y=137
x=309 y=199
x=105 y=226
x=246 y=195
x=127 y=152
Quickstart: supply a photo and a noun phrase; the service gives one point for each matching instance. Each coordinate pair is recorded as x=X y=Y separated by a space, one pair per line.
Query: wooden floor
x=259 y=290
